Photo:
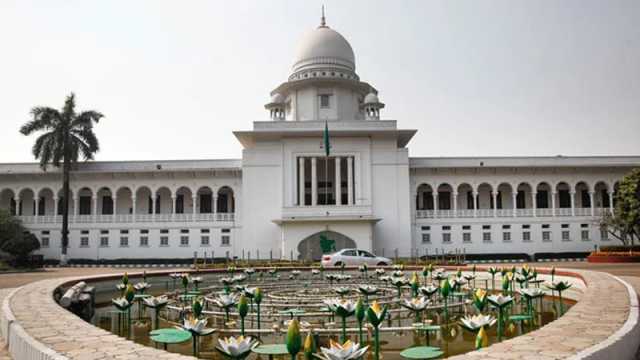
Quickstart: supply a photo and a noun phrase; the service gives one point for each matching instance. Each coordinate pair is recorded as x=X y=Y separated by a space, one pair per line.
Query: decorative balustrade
x=488 y=213
x=127 y=218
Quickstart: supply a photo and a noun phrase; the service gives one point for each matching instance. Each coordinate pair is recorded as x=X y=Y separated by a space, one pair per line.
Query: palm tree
x=66 y=136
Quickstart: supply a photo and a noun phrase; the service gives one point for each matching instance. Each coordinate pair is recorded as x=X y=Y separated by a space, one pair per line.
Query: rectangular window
x=446 y=238
x=427 y=228
x=45 y=232
x=144 y=231
x=564 y=226
x=506 y=236
x=144 y=241
x=225 y=240
x=466 y=227
x=526 y=236
x=84 y=242
x=164 y=231
x=546 y=236
x=204 y=231
x=225 y=231
x=324 y=100
x=184 y=231
x=426 y=238
x=526 y=226
x=84 y=232
x=44 y=242
x=584 y=225
x=486 y=227
x=164 y=241
x=604 y=234
x=204 y=240
x=466 y=237
x=446 y=228
x=545 y=226
x=124 y=232
x=584 y=235
x=104 y=241
x=486 y=236
x=506 y=227
x=566 y=235
x=104 y=232
x=124 y=241
x=184 y=241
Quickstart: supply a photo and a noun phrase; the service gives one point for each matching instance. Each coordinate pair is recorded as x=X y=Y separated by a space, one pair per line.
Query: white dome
x=324 y=48
x=277 y=98
x=371 y=98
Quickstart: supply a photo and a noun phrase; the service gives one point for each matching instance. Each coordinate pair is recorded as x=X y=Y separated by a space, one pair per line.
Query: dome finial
x=323 y=21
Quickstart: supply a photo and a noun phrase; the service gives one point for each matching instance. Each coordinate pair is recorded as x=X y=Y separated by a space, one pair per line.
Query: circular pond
x=451 y=311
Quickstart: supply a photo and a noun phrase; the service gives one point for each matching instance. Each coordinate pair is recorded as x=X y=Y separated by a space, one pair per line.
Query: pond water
x=307 y=292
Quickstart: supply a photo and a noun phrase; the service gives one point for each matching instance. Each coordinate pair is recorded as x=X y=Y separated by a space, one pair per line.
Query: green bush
x=15 y=239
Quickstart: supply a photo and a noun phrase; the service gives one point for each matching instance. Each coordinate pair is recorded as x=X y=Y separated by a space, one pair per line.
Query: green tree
x=624 y=223
x=65 y=137
x=15 y=239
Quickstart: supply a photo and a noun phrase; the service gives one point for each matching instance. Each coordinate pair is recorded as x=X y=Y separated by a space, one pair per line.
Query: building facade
x=286 y=192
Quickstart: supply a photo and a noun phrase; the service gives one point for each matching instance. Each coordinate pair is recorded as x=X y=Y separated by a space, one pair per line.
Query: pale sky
x=475 y=78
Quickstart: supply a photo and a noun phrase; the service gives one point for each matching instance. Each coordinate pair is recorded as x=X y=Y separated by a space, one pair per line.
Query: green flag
x=325 y=139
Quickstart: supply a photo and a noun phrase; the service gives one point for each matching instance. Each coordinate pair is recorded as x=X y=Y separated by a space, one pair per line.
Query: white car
x=354 y=257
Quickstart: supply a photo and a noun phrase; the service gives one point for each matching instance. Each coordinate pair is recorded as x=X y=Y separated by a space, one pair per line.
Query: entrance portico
x=359 y=230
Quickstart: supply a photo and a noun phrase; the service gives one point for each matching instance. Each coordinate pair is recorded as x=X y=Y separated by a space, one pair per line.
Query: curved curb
x=622 y=344
x=20 y=344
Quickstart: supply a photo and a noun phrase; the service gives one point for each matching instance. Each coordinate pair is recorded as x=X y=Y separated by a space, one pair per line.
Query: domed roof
x=371 y=98
x=324 y=48
x=277 y=98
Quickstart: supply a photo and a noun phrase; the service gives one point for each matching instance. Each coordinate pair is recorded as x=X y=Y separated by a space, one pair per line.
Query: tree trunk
x=65 y=208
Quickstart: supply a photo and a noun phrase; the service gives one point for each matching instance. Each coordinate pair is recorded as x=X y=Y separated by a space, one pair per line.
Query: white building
x=284 y=192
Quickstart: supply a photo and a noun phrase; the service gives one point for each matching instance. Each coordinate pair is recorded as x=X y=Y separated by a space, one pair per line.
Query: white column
x=591 y=197
x=455 y=204
x=55 y=207
x=553 y=203
x=76 y=205
x=115 y=206
x=573 y=202
x=338 y=182
x=301 y=193
x=514 y=199
x=534 y=200
x=611 y=202
x=133 y=208
x=174 y=198
x=18 y=205
x=36 y=206
x=350 y=201
x=314 y=181
x=214 y=206
x=194 y=200
x=495 y=203
x=95 y=206
x=153 y=206
x=475 y=204
x=435 y=204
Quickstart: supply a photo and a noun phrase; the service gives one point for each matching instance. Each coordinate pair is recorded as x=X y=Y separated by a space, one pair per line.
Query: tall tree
x=624 y=223
x=65 y=137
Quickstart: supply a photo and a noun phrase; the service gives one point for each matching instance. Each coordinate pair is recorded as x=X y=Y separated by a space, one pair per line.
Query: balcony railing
x=128 y=218
x=488 y=213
